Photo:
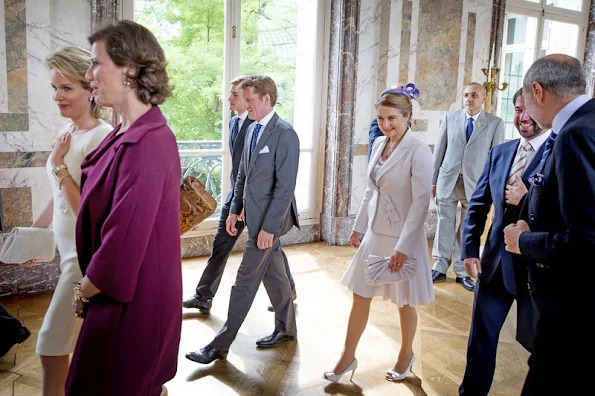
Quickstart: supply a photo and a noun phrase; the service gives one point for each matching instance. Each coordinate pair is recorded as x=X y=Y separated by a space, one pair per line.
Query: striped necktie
x=254 y=138
x=469 y=128
x=549 y=144
x=235 y=131
x=520 y=161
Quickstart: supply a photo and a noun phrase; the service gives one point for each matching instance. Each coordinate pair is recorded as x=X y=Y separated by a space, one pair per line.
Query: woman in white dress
x=393 y=211
x=59 y=331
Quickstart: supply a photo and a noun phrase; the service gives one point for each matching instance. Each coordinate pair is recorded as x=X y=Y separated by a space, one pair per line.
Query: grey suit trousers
x=447 y=232
x=266 y=266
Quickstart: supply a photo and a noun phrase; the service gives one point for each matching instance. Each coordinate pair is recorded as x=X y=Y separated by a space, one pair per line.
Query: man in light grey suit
x=465 y=139
x=265 y=189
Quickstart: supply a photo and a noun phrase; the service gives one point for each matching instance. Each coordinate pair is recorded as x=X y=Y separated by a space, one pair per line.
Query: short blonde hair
x=73 y=63
x=399 y=102
x=237 y=81
x=262 y=85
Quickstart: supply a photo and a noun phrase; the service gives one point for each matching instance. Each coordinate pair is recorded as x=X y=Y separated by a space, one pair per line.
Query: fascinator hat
x=408 y=90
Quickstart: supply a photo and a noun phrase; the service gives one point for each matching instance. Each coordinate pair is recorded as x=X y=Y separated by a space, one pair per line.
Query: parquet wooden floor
x=323 y=307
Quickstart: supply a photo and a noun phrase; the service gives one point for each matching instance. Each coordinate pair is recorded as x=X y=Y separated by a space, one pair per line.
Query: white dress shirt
x=242 y=118
x=265 y=120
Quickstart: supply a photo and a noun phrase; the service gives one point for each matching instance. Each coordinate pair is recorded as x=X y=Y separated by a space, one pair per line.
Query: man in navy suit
x=503 y=183
x=223 y=243
x=556 y=233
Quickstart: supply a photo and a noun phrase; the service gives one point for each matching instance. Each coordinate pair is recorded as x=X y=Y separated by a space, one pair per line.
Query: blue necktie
x=234 y=132
x=469 y=129
x=254 y=138
x=549 y=143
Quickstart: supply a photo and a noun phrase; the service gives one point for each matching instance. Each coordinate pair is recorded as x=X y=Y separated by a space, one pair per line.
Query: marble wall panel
x=405 y=40
x=468 y=73
x=24 y=159
x=589 y=60
x=16 y=207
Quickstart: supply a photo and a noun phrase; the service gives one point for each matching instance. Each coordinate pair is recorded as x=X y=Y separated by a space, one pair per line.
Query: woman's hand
x=60 y=149
x=397 y=260
x=354 y=239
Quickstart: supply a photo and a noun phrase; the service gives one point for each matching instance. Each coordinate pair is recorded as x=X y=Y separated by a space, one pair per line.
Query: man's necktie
x=254 y=138
x=469 y=128
x=549 y=144
x=234 y=132
x=520 y=161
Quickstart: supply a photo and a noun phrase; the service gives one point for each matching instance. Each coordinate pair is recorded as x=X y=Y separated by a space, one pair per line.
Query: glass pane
x=277 y=39
x=206 y=168
x=559 y=38
x=302 y=188
x=191 y=34
x=573 y=5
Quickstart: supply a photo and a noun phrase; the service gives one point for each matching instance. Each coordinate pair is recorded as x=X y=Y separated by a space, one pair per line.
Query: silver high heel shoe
x=330 y=376
x=393 y=376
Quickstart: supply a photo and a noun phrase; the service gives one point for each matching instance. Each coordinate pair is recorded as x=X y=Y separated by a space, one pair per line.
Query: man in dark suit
x=223 y=242
x=503 y=183
x=11 y=331
x=556 y=233
x=264 y=190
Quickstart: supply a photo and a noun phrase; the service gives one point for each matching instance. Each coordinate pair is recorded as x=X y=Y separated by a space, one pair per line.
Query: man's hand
x=433 y=192
x=472 y=266
x=241 y=216
x=265 y=240
x=230 y=224
x=512 y=233
x=354 y=239
x=515 y=192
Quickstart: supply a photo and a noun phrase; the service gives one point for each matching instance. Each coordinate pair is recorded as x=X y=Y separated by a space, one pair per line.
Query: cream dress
x=60 y=328
x=416 y=291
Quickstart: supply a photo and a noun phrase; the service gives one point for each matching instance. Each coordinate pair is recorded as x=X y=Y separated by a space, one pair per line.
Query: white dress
x=416 y=291
x=60 y=328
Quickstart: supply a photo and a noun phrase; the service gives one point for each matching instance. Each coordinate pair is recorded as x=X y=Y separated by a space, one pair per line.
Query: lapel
x=375 y=155
x=237 y=147
x=398 y=155
x=506 y=164
x=480 y=127
x=103 y=156
x=534 y=164
x=460 y=121
x=231 y=124
x=264 y=136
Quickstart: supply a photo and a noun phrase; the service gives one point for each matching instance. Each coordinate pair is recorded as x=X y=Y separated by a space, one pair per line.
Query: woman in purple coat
x=128 y=231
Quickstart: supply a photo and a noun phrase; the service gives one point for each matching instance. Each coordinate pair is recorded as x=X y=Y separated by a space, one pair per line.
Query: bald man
x=464 y=141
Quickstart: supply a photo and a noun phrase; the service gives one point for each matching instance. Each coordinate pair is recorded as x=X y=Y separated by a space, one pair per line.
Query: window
x=208 y=43
x=532 y=29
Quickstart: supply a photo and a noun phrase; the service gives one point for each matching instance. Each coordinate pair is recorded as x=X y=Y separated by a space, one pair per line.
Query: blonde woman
x=392 y=216
x=72 y=94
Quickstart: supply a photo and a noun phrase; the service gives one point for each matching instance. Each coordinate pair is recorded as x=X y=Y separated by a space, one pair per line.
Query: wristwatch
x=58 y=169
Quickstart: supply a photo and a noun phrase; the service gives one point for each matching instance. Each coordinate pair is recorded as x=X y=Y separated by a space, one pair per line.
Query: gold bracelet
x=61 y=179
x=78 y=293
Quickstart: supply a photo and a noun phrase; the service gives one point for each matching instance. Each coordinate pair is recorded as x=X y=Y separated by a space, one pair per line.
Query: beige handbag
x=28 y=243
x=377 y=271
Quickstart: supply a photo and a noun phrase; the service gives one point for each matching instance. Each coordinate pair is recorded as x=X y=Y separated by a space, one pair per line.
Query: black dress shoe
x=438 y=276
x=467 y=282
x=203 y=305
x=206 y=355
x=274 y=339
x=22 y=334
x=293 y=296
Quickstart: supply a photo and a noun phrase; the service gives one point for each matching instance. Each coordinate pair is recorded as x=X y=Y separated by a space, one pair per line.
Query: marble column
x=335 y=220
x=589 y=60
x=104 y=12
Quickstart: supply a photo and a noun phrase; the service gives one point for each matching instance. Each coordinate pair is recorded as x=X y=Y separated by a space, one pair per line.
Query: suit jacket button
x=528 y=286
x=532 y=217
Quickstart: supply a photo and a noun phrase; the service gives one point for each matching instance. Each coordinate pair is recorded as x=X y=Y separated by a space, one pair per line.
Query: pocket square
x=264 y=150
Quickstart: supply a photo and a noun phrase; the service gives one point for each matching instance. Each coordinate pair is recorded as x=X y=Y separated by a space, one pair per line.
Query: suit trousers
x=491 y=305
x=447 y=232
x=266 y=266
x=9 y=330
x=223 y=244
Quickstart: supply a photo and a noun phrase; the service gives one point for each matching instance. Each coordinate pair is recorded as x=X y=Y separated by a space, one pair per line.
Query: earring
x=91 y=99
x=126 y=82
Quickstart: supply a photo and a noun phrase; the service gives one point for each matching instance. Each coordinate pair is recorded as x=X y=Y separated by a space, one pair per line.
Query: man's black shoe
x=274 y=339
x=467 y=283
x=438 y=276
x=206 y=355
x=204 y=306
x=22 y=334
x=293 y=296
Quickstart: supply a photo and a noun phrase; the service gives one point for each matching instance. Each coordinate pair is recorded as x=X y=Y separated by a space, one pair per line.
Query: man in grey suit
x=265 y=190
x=465 y=139
x=223 y=242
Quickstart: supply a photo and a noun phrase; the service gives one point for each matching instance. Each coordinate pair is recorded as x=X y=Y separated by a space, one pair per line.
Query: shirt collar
x=475 y=117
x=537 y=141
x=567 y=111
x=266 y=119
x=243 y=115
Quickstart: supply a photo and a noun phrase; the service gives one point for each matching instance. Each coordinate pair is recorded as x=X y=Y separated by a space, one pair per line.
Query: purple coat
x=128 y=242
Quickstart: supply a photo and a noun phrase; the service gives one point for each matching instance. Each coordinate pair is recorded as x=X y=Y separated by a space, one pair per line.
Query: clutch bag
x=377 y=271
x=28 y=243
x=196 y=204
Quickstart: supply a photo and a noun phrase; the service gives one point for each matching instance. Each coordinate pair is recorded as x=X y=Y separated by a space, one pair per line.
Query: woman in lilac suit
x=128 y=231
